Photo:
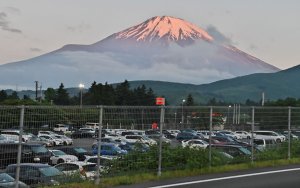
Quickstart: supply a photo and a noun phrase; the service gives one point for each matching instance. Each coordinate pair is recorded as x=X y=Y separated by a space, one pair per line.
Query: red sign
x=160 y=101
x=154 y=125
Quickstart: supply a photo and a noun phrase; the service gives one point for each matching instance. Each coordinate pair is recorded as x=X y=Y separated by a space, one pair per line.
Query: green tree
x=3 y=95
x=124 y=94
x=14 y=95
x=50 y=94
x=62 y=96
x=190 y=100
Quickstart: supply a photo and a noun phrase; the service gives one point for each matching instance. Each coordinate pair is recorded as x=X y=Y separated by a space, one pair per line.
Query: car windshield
x=245 y=151
x=50 y=171
x=90 y=167
x=58 y=152
x=80 y=150
x=4 y=178
x=39 y=149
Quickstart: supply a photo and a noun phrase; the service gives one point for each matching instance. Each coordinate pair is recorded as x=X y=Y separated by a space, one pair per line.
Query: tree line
x=120 y=95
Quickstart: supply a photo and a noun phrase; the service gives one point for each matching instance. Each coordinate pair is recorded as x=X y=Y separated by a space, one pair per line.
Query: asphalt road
x=277 y=177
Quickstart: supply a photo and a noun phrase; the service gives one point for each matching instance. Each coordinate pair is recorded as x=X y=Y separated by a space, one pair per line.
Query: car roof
x=38 y=165
x=80 y=163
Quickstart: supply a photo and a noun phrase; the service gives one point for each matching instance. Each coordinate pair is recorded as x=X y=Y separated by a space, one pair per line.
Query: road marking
x=226 y=178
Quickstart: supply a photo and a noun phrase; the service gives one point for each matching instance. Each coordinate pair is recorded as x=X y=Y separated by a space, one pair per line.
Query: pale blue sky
x=267 y=29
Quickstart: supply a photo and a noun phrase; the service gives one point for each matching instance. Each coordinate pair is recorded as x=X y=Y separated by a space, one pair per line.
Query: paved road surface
x=279 y=177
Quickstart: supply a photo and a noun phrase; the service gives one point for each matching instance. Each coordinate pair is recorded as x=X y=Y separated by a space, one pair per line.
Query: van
x=30 y=153
x=13 y=134
x=264 y=143
x=92 y=125
x=61 y=128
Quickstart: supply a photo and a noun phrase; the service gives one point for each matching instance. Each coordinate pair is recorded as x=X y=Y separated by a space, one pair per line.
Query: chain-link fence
x=39 y=144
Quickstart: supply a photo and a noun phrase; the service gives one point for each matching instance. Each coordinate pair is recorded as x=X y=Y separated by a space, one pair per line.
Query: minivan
x=30 y=153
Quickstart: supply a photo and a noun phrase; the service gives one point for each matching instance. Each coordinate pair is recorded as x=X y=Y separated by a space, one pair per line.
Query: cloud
x=218 y=36
x=13 y=10
x=5 y=25
x=35 y=49
x=79 y=28
x=253 y=47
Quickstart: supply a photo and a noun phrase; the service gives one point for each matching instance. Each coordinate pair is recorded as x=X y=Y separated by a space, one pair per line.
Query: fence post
x=210 y=133
x=289 y=133
x=97 y=181
x=162 y=120
x=19 y=147
x=252 y=135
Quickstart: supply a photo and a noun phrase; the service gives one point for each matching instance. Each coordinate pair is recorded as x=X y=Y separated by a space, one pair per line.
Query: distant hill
x=278 y=85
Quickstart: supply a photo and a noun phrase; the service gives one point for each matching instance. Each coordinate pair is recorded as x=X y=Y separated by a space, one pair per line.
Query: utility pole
x=41 y=93
x=36 y=89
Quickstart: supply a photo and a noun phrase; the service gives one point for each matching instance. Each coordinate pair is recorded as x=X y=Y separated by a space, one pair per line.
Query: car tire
x=60 y=161
x=278 y=140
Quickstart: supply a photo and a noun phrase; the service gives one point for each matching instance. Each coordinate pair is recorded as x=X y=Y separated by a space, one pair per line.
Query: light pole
x=175 y=120
x=81 y=86
x=227 y=119
x=182 y=117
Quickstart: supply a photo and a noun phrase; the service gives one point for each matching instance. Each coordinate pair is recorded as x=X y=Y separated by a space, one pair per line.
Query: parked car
x=79 y=152
x=62 y=128
x=52 y=138
x=263 y=143
x=233 y=150
x=82 y=134
x=37 y=140
x=13 y=134
x=269 y=135
x=130 y=147
x=186 y=136
x=105 y=162
x=86 y=170
x=46 y=133
x=66 y=140
x=156 y=138
x=109 y=149
x=30 y=153
x=6 y=181
x=231 y=134
x=195 y=143
x=243 y=134
x=36 y=173
x=58 y=156
x=141 y=139
x=4 y=140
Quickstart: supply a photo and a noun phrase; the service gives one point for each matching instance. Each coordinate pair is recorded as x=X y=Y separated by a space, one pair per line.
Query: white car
x=270 y=135
x=66 y=140
x=140 y=138
x=105 y=161
x=46 y=133
x=85 y=169
x=52 y=138
x=194 y=143
x=243 y=134
x=58 y=156
x=13 y=134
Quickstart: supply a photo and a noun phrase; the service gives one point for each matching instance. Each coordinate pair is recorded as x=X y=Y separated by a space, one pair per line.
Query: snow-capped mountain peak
x=166 y=28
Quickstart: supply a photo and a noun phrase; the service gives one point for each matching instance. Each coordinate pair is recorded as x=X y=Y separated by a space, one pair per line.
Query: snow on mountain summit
x=166 y=28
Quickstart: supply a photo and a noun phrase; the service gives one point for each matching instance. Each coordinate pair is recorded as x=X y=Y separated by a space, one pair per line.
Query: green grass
x=144 y=177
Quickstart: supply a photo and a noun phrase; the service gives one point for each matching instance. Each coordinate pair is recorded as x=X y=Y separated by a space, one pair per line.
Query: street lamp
x=182 y=117
x=81 y=86
x=227 y=119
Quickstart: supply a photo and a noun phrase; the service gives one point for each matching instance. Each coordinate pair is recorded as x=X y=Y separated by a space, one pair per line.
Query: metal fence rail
x=20 y=124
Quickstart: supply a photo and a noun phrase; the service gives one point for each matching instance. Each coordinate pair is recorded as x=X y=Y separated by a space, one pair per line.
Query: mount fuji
x=161 y=48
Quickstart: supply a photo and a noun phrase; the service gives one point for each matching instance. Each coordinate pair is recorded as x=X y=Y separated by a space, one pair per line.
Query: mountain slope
x=161 y=48
x=278 y=85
